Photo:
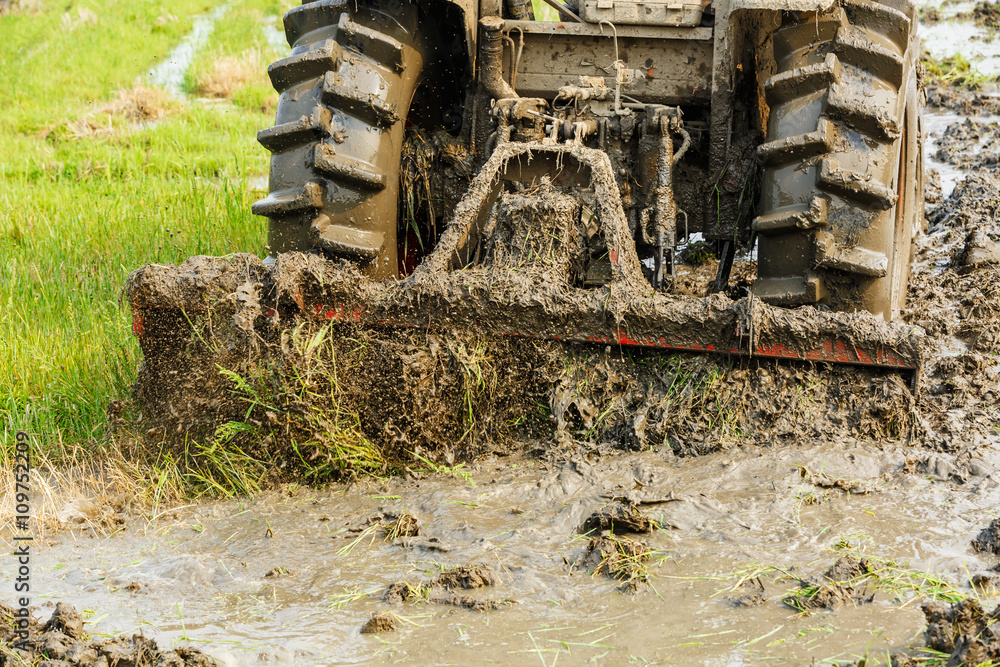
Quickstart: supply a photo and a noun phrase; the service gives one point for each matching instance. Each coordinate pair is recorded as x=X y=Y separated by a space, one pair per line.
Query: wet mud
x=988 y=539
x=739 y=531
x=965 y=632
x=62 y=642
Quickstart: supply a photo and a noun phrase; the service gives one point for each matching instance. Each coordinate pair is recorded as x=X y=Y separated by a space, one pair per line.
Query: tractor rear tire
x=842 y=194
x=338 y=133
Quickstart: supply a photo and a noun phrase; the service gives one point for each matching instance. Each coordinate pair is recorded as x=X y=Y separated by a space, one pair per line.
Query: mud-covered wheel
x=843 y=180
x=345 y=92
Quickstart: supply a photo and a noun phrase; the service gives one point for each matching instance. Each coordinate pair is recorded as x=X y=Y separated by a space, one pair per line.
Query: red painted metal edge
x=830 y=350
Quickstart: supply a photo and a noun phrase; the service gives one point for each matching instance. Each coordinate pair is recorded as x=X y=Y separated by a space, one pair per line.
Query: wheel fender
x=782 y=5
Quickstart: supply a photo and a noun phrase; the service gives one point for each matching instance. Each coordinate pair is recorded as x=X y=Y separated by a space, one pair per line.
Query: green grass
x=80 y=210
x=544 y=12
x=240 y=38
x=955 y=71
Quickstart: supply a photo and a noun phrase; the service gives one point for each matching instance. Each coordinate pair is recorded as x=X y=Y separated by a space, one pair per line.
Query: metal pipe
x=491 y=55
x=666 y=207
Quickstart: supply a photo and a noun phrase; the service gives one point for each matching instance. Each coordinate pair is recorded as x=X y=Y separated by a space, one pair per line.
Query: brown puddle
x=211 y=572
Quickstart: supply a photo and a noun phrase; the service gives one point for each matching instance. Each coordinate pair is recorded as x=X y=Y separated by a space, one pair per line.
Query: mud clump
x=441 y=590
x=983 y=580
x=66 y=620
x=966 y=633
x=383 y=621
x=468 y=577
x=978 y=251
x=988 y=540
x=842 y=583
x=620 y=558
x=971 y=145
x=851 y=486
x=986 y=15
x=617 y=517
x=952 y=92
x=61 y=641
x=753 y=599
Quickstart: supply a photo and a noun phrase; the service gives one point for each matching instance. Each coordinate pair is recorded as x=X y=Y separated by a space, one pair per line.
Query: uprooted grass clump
x=843 y=582
x=621 y=558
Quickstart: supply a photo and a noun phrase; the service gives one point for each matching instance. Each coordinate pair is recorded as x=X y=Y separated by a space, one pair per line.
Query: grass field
x=100 y=175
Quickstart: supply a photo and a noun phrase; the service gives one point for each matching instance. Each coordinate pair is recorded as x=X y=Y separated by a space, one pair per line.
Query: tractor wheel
x=842 y=194
x=345 y=94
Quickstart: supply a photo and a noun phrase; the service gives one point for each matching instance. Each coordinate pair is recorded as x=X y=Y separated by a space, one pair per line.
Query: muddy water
x=953 y=35
x=201 y=572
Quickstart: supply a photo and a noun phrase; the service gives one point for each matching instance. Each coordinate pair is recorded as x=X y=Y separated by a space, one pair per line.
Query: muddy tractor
x=793 y=121
x=463 y=165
